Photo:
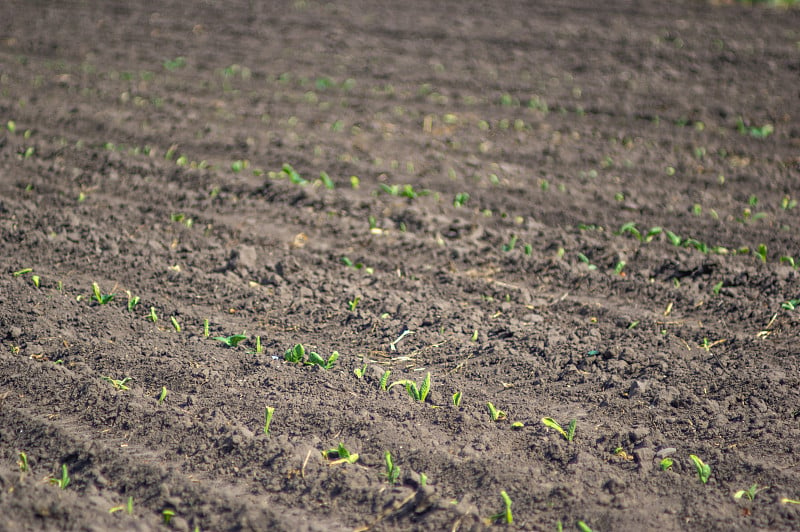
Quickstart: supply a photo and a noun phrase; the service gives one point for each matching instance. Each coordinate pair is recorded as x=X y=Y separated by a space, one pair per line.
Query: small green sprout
x=703 y=469
x=11 y=126
x=23 y=463
x=295 y=354
x=392 y=471
x=98 y=296
x=789 y=260
x=527 y=249
x=119 y=384
x=788 y=203
x=673 y=239
x=23 y=271
x=259 y=348
x=132 y=301
x=457 y=399
x=420 y=393
x=359 y=372
x=474 y=337
x=568 y=434
x=353 y=303
x=315 y=358
x=665 y=464
x=518 y=425
x=152 y=316
x=761 y=252
x=717 y=288
x=206 y=332
x=512 y=243
x=64 y=481
x=385 y=379
x=750 y=493
x=583 y=527
x=239 y=165
x=461 y=199
x=504 y=515
x=791 y=304
x=167 y=515
x=787 y=500
x=326 y=180
x=292 y=174
x=268 y=412
x=162 y=395
x=35 y=279
x=233 y=340
x=175 y=324
x=495 y=413
x=423 y=480
x=619 y=267
x=584 y=259
x=341 y=454
x=128 y=507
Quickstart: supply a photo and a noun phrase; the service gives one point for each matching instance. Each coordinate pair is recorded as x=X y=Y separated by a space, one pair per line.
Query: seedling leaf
x=231 y=341
x=703 y=469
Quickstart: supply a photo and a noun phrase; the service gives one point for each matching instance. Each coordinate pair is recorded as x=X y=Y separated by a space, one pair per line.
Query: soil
x=483 y=160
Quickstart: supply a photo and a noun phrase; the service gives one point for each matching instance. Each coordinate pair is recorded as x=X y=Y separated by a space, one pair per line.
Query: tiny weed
x=152 y=316
x=504 y=515
x=98 y=296
x=791 y=304
x=703 y=469
x=340 y=455
x=162 y=395
x=750 y=493
x=175 y=324
x=268 y=412
x=132 y=301
x=232 y=341
x=23 y=463
x=128 y=507
x=495 y=413
x=461 y=199
x=359 y=372
x=291 y=173
x=512 y=243
x=457 y=399
x=568 y=434
x=385 y=379
x=418 y=393
x=353 y=303
x=665 y=464
x=119 y=384
x=167 y=515
x=64 y=481
x=392 y=471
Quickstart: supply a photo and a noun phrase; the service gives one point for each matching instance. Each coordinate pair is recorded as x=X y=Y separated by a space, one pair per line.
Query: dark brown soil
x=145 y=154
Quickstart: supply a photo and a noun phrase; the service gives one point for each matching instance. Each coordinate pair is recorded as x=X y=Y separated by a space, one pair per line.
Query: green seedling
x=527 y=249
x=583 y=527
x=665 y=464
x=495 y=413
x=23 y=463
x=268 y=412
x=420 y=393
x=756 y=132
x=423 y=480
x=175 y=324
x=174 y=64
x=359 y=372
x=132 y=301
x=788 y=260
x=11 y=126
x=353 y=303
x=119 y=384
x=461 y=199
x=296 y=354
x=392 y=471
x=316 y=359
x=787 y=500
x=259 y=348
x=35 y=279
x=504 y=515
x=64 y=481
x=406 y=191
x=750 y=493
x=23 y=271
x=474 y=337
x=167 y=515
x=340 y=455
x=717 y=287
x=584 y=259
x=162 y=395
x=512 y=243
x=292 y=174
x=791 y=304
x=630 y=228
x=518 y=425
x=673 y=239
x=98 y=296
x=152 y=316
x=206 y=332
x=385 y=379
x=703 y=469
x=619 y=267
x=233 y=340
x=239 y=165
x=761 y=252
x=128 y=507
x=788 y=203
x=568 y=434
x=457 y=399
x=326 y=180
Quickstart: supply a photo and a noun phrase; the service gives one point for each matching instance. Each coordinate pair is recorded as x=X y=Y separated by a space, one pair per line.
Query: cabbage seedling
x=98 y=296
x=23 y=271
x=175 y=324
x=703 y=469
x=359 y=372
x=457 y=399
x=162 y=395
x=231 y=341
x=505 y=515
x=119 y=384
x=132 y=301
x=392 y=471
x=128 y=507
x=583 y=527
x=23 y=462
x=295 y=354
x=495 y=413
x=342 y=455
x=385 y=379
x=315 y=358
x=268 y=412
x=750 y=493
x=568 y=434
x=665 y=464
x=152 y=316
x=420 y=393
x=64 y=481
x=167 y=515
